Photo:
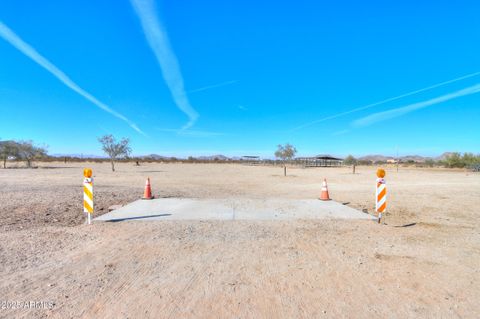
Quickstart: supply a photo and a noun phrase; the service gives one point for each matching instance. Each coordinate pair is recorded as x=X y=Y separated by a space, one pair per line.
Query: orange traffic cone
x=324 y=193
x=147 y=194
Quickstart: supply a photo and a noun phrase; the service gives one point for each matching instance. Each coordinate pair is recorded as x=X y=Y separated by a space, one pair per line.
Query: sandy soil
x=239 y=269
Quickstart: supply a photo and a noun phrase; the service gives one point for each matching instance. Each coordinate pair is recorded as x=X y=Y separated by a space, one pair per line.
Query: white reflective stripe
x=89 y=186
x=88 y=200
x=381 y=202
x=380 y=188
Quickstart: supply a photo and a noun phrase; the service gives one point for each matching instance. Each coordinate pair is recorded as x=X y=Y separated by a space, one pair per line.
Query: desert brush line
x=431 y=87
x=8 y=35
x=386 y=115
x=157 y=39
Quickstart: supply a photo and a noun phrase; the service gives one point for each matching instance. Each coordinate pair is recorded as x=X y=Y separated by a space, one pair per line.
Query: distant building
x=250 y=159
x=391 y=161
x=320 y=161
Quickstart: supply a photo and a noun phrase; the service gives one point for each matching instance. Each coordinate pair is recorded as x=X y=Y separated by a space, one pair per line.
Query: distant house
x=391 y=161
x=320 y=161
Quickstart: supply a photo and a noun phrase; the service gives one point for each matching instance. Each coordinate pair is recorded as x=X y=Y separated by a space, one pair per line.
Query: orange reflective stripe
x=382 y=194
x=382 y=208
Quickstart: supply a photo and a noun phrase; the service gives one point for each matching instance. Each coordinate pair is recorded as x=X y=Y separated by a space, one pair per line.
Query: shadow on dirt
x=136 y=218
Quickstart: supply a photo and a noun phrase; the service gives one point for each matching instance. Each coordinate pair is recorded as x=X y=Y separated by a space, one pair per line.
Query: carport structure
x=320 y=161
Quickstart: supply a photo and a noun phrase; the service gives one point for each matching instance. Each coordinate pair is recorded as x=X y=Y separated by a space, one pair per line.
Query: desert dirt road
x=239 y=269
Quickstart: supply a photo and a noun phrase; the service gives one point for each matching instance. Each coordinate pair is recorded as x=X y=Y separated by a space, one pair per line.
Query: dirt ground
x=239 y=269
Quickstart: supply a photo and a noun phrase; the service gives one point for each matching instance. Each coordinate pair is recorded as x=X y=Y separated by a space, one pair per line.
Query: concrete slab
x=232 y=209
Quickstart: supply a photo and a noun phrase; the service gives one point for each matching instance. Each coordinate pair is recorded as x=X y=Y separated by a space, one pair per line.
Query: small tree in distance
x=7 y=149
x=24 y=150
x=350 y=160
x=285 y=153
x=115 y=149
x=28 y=151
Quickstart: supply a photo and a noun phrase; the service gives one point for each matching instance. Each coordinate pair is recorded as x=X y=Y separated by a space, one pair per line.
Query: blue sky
x=240 y=77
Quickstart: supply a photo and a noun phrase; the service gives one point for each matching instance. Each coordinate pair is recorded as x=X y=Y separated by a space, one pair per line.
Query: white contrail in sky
x=8 y=35
x=192 y=133
x=382 y=116
x=383 y=101
x=213 y=86
x=157 y=38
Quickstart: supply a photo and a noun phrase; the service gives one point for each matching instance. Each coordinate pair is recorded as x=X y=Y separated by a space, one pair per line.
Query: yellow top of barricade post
x=87 y=172
x=381 y=173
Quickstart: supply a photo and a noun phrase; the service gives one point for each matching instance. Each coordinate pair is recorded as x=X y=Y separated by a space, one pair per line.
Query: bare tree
x=285 y=153
x=115 y=149
x=28 y=151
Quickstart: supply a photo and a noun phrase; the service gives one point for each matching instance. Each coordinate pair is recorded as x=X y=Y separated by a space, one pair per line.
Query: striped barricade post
x=380 y=194
x=88 y=194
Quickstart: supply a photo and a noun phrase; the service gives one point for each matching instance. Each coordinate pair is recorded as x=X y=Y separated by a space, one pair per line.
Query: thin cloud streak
x=213 y=86
x=191 y=133
x=342 y=132
x=386 y=115
x=384 y=101
x=8 y=35
x=157 y=38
